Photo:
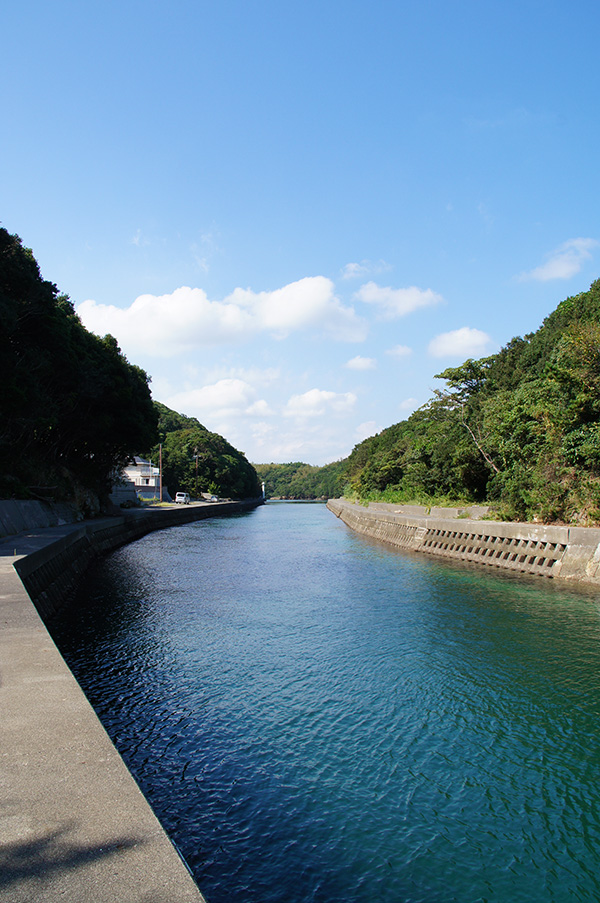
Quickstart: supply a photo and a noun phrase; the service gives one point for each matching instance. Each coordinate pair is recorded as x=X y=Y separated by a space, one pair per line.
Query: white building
x=140 y=479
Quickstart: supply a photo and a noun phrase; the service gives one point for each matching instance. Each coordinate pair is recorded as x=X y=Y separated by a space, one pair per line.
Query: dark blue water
x=315 y=717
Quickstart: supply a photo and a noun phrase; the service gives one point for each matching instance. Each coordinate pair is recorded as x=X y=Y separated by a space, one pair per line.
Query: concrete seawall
x=571 y=553
x=74 y=825
x=51 y=572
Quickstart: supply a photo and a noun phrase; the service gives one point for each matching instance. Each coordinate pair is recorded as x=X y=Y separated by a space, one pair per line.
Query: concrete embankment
x=571 y=553
x=74 y=825
x=51 y=570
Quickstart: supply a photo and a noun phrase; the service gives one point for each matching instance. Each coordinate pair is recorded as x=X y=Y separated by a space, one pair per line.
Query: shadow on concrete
x=45 y=855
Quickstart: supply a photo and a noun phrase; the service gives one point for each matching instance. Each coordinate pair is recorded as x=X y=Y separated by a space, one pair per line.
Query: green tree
x=519 y=429
x=297 y=480
x=196 y=460
x=72 y=408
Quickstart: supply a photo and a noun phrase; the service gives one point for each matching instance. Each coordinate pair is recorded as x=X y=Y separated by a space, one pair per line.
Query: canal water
x=317 y=717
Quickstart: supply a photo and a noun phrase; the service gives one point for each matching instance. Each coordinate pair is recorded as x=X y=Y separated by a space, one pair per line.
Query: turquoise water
x=315 y=717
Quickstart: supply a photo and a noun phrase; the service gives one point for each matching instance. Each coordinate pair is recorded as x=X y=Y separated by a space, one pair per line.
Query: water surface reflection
x=315 y=717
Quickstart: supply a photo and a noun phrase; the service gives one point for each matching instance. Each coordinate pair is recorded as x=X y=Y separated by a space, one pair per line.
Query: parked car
x=182 y=498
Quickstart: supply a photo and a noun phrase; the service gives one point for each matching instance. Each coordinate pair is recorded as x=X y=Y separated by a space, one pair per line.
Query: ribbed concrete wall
x=548 y=551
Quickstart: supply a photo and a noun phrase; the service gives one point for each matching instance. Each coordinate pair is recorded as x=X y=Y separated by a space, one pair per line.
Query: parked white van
x=182 y=498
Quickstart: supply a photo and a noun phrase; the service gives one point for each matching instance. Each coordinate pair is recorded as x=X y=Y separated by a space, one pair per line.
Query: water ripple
x=316 y=718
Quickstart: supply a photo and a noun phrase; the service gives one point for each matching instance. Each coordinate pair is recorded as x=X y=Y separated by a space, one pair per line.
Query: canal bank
x=325 y=719
x=50 y=560
x=571 y=553
x=74 y=824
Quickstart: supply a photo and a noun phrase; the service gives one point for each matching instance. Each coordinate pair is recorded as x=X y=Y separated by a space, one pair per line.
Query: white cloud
x=201 y=259
x=354 y=271
x=317 y=402
x=263 y=433
x=399 y=351
x=364 y=430
x=253 y=375
x=205 y=249
x=310 y=302
x=409 y=404
x=465 y=342
x=397 y=302
x=564 y=262
x=364 y=268
x=260 y=408
x=361 y=363
x=165 y=325
x=303 y=440
x=227 y=398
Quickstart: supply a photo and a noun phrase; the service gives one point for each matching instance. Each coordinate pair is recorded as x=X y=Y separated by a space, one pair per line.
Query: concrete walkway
x=74 y=826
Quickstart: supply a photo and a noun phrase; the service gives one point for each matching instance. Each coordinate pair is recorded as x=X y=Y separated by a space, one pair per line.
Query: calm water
x=315 y=717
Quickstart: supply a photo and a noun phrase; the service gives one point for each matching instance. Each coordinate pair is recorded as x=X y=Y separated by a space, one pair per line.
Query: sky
x=294 y=215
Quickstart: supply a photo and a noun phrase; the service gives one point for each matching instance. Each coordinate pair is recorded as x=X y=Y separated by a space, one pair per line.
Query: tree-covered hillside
x=301 y=481
x=72 y=409
x=170 y=421
x=196 y=460
x=519 y=429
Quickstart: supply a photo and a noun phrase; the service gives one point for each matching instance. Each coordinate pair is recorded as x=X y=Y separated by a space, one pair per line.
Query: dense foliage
x=196 y=460
x=170 y=421
x=72 y=409
x=301 y=481
x=519 y=429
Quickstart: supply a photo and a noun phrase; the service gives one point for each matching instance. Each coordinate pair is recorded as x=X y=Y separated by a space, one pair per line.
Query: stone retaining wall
x=550 y=551
x=17 y=515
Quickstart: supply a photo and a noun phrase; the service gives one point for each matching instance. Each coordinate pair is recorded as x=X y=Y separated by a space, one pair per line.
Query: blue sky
x=293 y=215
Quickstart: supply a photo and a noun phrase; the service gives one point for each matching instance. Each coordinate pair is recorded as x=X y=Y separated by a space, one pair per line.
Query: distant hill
x=301 y=481
x=519 y=429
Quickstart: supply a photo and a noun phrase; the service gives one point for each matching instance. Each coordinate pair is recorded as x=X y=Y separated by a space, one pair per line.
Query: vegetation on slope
x=196 y=460
x=301 y=481
x=519 y=429
x=72 y=409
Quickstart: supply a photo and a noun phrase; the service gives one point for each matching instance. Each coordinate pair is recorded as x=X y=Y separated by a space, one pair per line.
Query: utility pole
x=160 y=470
